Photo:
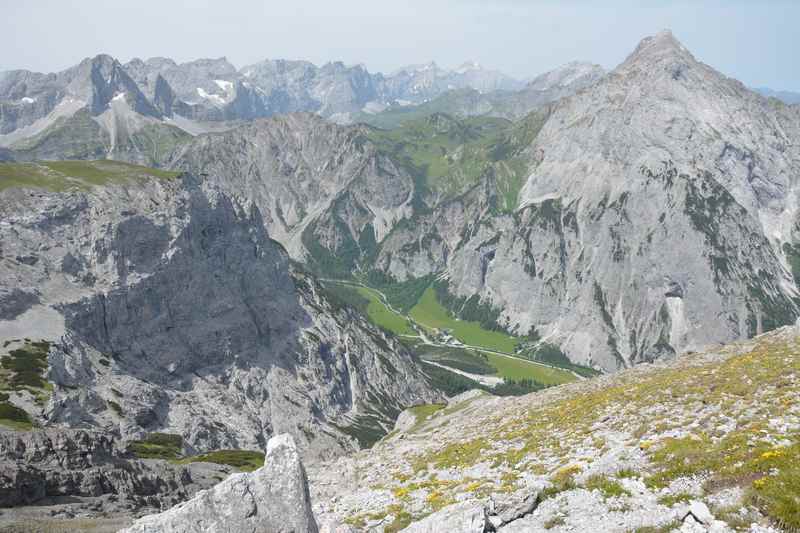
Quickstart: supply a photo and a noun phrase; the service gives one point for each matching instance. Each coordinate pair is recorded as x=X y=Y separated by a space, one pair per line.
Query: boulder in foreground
x=274 y=498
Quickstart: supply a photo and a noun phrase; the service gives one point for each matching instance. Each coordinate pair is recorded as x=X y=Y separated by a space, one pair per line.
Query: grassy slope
x=369 y=303
x=81 y=137
x=455 y=102
x=242 y=460
x=451 y=155
x=169 y=447
x=517 y=369
x=156 y=141
x=430 y=314
x=466 y=360
x=23 y=369
x=451 y=102
x=728 y=418
x=59 y=176
x=75 y=137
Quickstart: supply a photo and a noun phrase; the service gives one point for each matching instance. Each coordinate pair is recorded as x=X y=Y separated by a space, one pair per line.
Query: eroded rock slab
x=274 y=498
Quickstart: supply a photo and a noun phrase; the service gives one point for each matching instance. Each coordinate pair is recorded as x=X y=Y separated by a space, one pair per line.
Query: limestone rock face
x=274 y=498
x=459 y=518
x=546 y=88
x=102 y=108
x=55 y=466
x=300 y=169
x=171 y=310
x=656 y=216
x=93 y=110
x=661 y=154
x=659 y=216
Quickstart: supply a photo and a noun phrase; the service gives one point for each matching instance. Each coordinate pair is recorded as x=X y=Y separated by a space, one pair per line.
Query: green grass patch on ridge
x=23 y=369
x=169 y=446
x=243 y=460
x=157 y=446
x=465 y=360
x=450 y=155
x=369 y=302
x=57 y=176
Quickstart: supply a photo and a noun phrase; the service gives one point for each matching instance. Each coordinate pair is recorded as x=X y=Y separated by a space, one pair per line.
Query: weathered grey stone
x=459 y=518
x=400 y=478
x=505 y=509
x=698 y=512
x=47 y=466
x=274 y=498
x=405 y=420
x=15 y=302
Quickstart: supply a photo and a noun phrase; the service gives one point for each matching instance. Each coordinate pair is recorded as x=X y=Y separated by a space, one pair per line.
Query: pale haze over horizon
x=753 y=41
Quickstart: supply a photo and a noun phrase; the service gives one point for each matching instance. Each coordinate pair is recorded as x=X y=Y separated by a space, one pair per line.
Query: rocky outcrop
x=544 y=89
x=14 y=302
x=273 y=498
x=93 y=110
x=459 y=518
x=53 y=467
x=663 y=154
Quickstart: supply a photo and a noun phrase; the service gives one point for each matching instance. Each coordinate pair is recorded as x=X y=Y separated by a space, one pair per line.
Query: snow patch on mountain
x=217 y=99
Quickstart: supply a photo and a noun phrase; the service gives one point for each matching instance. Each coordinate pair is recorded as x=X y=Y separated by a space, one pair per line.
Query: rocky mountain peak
x=101 y=61
x=219 y=65
x=663 y=117
x=420 y=68
x=660 y=50
x=101 y=80
x=161 y=62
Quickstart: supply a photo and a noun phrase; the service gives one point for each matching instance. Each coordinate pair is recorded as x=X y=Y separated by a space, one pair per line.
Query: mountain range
x=140 y=110
x=555 y=224
x=316 y=249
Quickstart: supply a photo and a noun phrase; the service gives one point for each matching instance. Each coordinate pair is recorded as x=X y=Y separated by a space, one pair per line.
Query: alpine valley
x=291 y=297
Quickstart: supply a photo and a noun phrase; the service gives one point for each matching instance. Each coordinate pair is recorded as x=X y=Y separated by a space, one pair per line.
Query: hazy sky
x=756 y=41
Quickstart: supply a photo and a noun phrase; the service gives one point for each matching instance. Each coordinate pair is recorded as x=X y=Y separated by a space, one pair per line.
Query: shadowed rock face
x=221 y=258
x=15 y=302
x=177 y=313
x=273 y=498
